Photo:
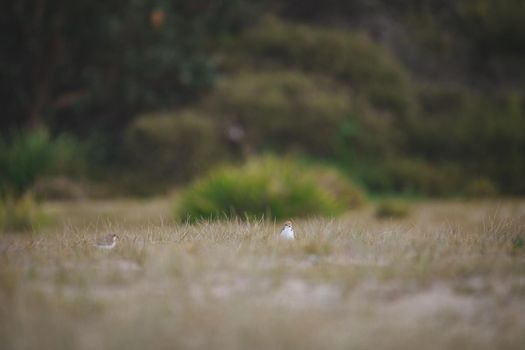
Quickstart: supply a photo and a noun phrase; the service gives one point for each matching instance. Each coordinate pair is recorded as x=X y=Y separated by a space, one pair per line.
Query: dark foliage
x=84 y=65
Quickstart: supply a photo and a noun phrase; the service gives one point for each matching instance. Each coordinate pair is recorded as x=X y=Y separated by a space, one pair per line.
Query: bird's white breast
x=106 y=246
x=287 y=233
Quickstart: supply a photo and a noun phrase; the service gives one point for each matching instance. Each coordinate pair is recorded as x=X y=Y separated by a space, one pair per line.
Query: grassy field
x=450 y=275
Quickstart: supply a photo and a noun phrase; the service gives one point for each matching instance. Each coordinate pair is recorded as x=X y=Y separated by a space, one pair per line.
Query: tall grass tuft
x=392 y=208
x=268 y=187
x=27 y=155
x=20 y=214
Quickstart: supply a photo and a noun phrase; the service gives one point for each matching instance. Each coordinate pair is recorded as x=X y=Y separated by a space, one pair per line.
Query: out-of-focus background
x=391 y=132
x=138 y=98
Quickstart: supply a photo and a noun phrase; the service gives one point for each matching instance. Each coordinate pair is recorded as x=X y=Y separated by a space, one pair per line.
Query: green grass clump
x=518 y=243
x=481 y=188
x=20 y=215
x=267 y=187
x=280 y=108
x=391 y=208
x=352 y=59
x=173 y=145
x=26 y=156
x=411 y=176
x=347 y=56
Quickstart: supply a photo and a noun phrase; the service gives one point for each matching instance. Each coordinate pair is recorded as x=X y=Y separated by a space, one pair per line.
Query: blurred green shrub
x=348 y=57
x=108 y=61
x=480 y=188
x=58 y=188
x=494 y=27
x=448 y=116
x=25 y=156
x=518 y=244
x=337 y=184
x=20 y=214
x=391 y=208
x=493 y=141
x=377 y=100
x=267 y=187
x=345 y=55
x=173 y=146
x=437 y=99
x=412 y=177
x=481 y=134
x=427 y=32
x=284 y=110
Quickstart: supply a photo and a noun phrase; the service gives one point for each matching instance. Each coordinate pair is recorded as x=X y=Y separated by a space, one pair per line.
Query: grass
x=275 y=188
x=21 y=214
x=392 y=208
x=450 y=275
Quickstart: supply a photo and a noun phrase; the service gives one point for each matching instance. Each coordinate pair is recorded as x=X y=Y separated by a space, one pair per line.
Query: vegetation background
x=391 y=132
x=408 y=97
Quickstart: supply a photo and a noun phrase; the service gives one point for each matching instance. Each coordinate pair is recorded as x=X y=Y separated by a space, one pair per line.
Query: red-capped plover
x=287 y=231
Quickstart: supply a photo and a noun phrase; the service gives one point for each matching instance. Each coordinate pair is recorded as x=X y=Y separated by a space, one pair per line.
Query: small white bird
x=287 y=231
x=107 y=242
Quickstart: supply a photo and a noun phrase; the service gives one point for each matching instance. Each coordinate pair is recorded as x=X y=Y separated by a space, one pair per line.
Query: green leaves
x=268 y=187
x=26 y=156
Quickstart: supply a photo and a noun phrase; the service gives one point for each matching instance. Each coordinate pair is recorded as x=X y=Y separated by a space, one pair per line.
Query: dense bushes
x=298 y=87
x=480 y=135
x=284 y=110
x=480 y=188
x=337 y=95
x=287 y=110
x=25 y=156
x=412 y=177
x=174 y=146
x=267 y=187
x=391 y=209
x=87 y=66
x=347 y=56
x=352 y=59
x=493 y=27
x=20 y=214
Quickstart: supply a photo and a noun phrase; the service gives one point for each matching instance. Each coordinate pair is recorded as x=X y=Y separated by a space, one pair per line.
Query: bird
x=287 y=232
x=107 y=242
